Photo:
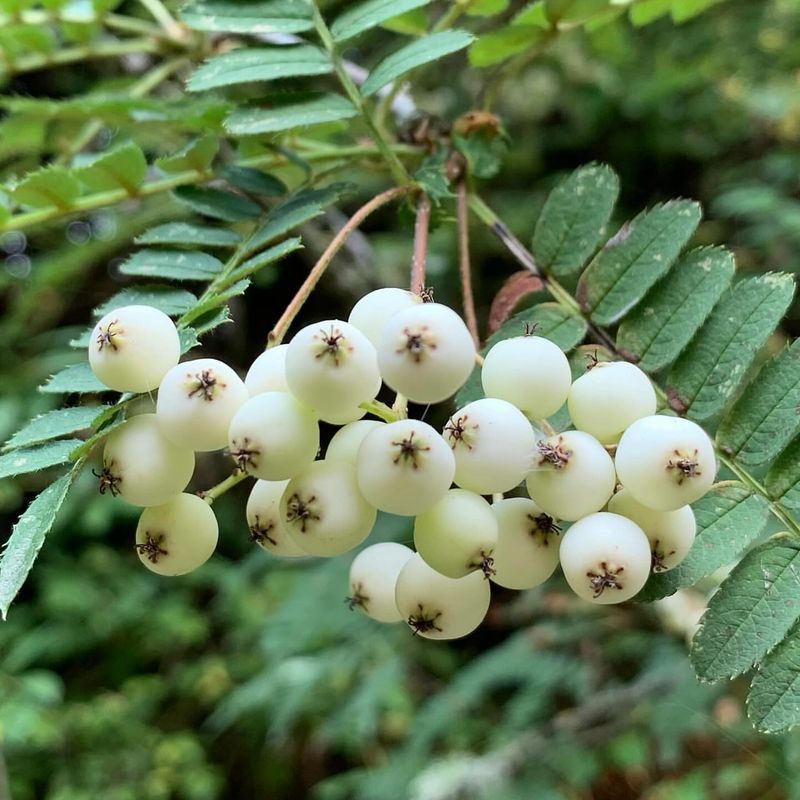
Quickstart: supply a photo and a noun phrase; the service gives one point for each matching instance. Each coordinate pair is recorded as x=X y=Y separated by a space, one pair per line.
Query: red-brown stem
x=282 y=325
x=420 y=243
x=464 y=268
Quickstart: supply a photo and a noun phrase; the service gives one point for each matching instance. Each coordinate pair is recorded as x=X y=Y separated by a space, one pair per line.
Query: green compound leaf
x=247 y=16
x=633 y=260
x=32 y=459
x=767 y=415
x=196 y=154
x=553 y=322
x=184 y=234
x=217 y=203
x=729 y=518
x=178 y=265
x=254 y=180
x=313 y=110
x=121 y=168
x=50 y=186
x=369 y=15
x=662 y=325
x=773 y=704
x=77 y=378
x=54 y=424
x=259 y=64
x=420 y=51
x=213 y=302
x=169 y=299
x=752 y=611
x=574 y=218
x=296 y=210
x=27 y=538
x=783 y=478
x=265 y=258
x=715 y=363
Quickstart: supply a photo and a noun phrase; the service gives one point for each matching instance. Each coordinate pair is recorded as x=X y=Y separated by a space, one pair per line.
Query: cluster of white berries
x=624 y=477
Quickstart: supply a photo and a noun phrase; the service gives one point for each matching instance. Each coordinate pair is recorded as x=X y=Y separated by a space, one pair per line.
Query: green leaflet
x=27 y=538
x=259 y=64
x=316 y=109
x=767 y=415
x=169 y=299
x=783 y=478
x=188 y=235
x=368 y=15
x=647 y=11
x=217 y=203
x=246 y=16
x=216 y=300
x=76 y=378
x=49 y=186
x=123 y=167
x=554 y=322
x=254 y=181
x=263 y=259
x=773 y=704
x=574 y=218
x=633 y=260
x=729 y=518
x=420 y=51
x=179 y=265
x=300 y=208
x=196 y=154
x=569 y=12
x=686 y=9
x=503 y=43
x=751 y=612
x=662 y=325
x=715 y=363
x=32 y=459
x=53 y=424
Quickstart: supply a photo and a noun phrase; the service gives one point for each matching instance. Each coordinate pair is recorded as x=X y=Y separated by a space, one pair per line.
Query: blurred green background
x=250 y=678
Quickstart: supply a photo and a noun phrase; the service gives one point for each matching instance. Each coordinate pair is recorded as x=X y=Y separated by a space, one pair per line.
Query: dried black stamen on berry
x=105 y=338
x=409 y=451
x=108 y=481
x=151 y=548
x=530 y=328
x=260 y=533
x=607 y=579
x=422 y=622
x=417 y=342
x=554 y=454
x=687 y=467
x=545 y=525
x=203 y=384
x=659 y=557
x=485 y=564
x=592 y=360
x=244 y=456
x=426 y=294
x=299 y=509
x=333 y=342
x=457 y=431
x=357 y=599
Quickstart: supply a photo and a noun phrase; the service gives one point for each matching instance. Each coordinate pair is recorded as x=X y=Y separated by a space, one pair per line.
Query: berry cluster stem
x=282 y=325
x=464 y=265
x=420 y=254
x=210 y=495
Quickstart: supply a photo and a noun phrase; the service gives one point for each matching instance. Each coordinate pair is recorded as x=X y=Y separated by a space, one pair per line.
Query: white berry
x=132 y=348
x=671 y=533
x=268 y=372
x=437 y=607
x=458 y=535
x=142 y=466
x=528 y=371
x=332 y=367
x=373 y=579
x=426 y=353
x=605 y=558
x=264 y=519
x=197 y=401
x=178 y=536
x=493 y=444
x=323 y=510
x=526 y=553
x=404 y=467
x=665 y=462
x=608 y=398
x=573 y=475
x=273 y=437
x=345 y=442
x=370 y=313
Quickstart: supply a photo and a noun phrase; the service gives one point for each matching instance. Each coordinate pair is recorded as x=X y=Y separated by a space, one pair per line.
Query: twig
x=380 y=410
x=464 y=267
x=282 y=325
x=210 y=495
x=420 y=243
x=159 y=12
